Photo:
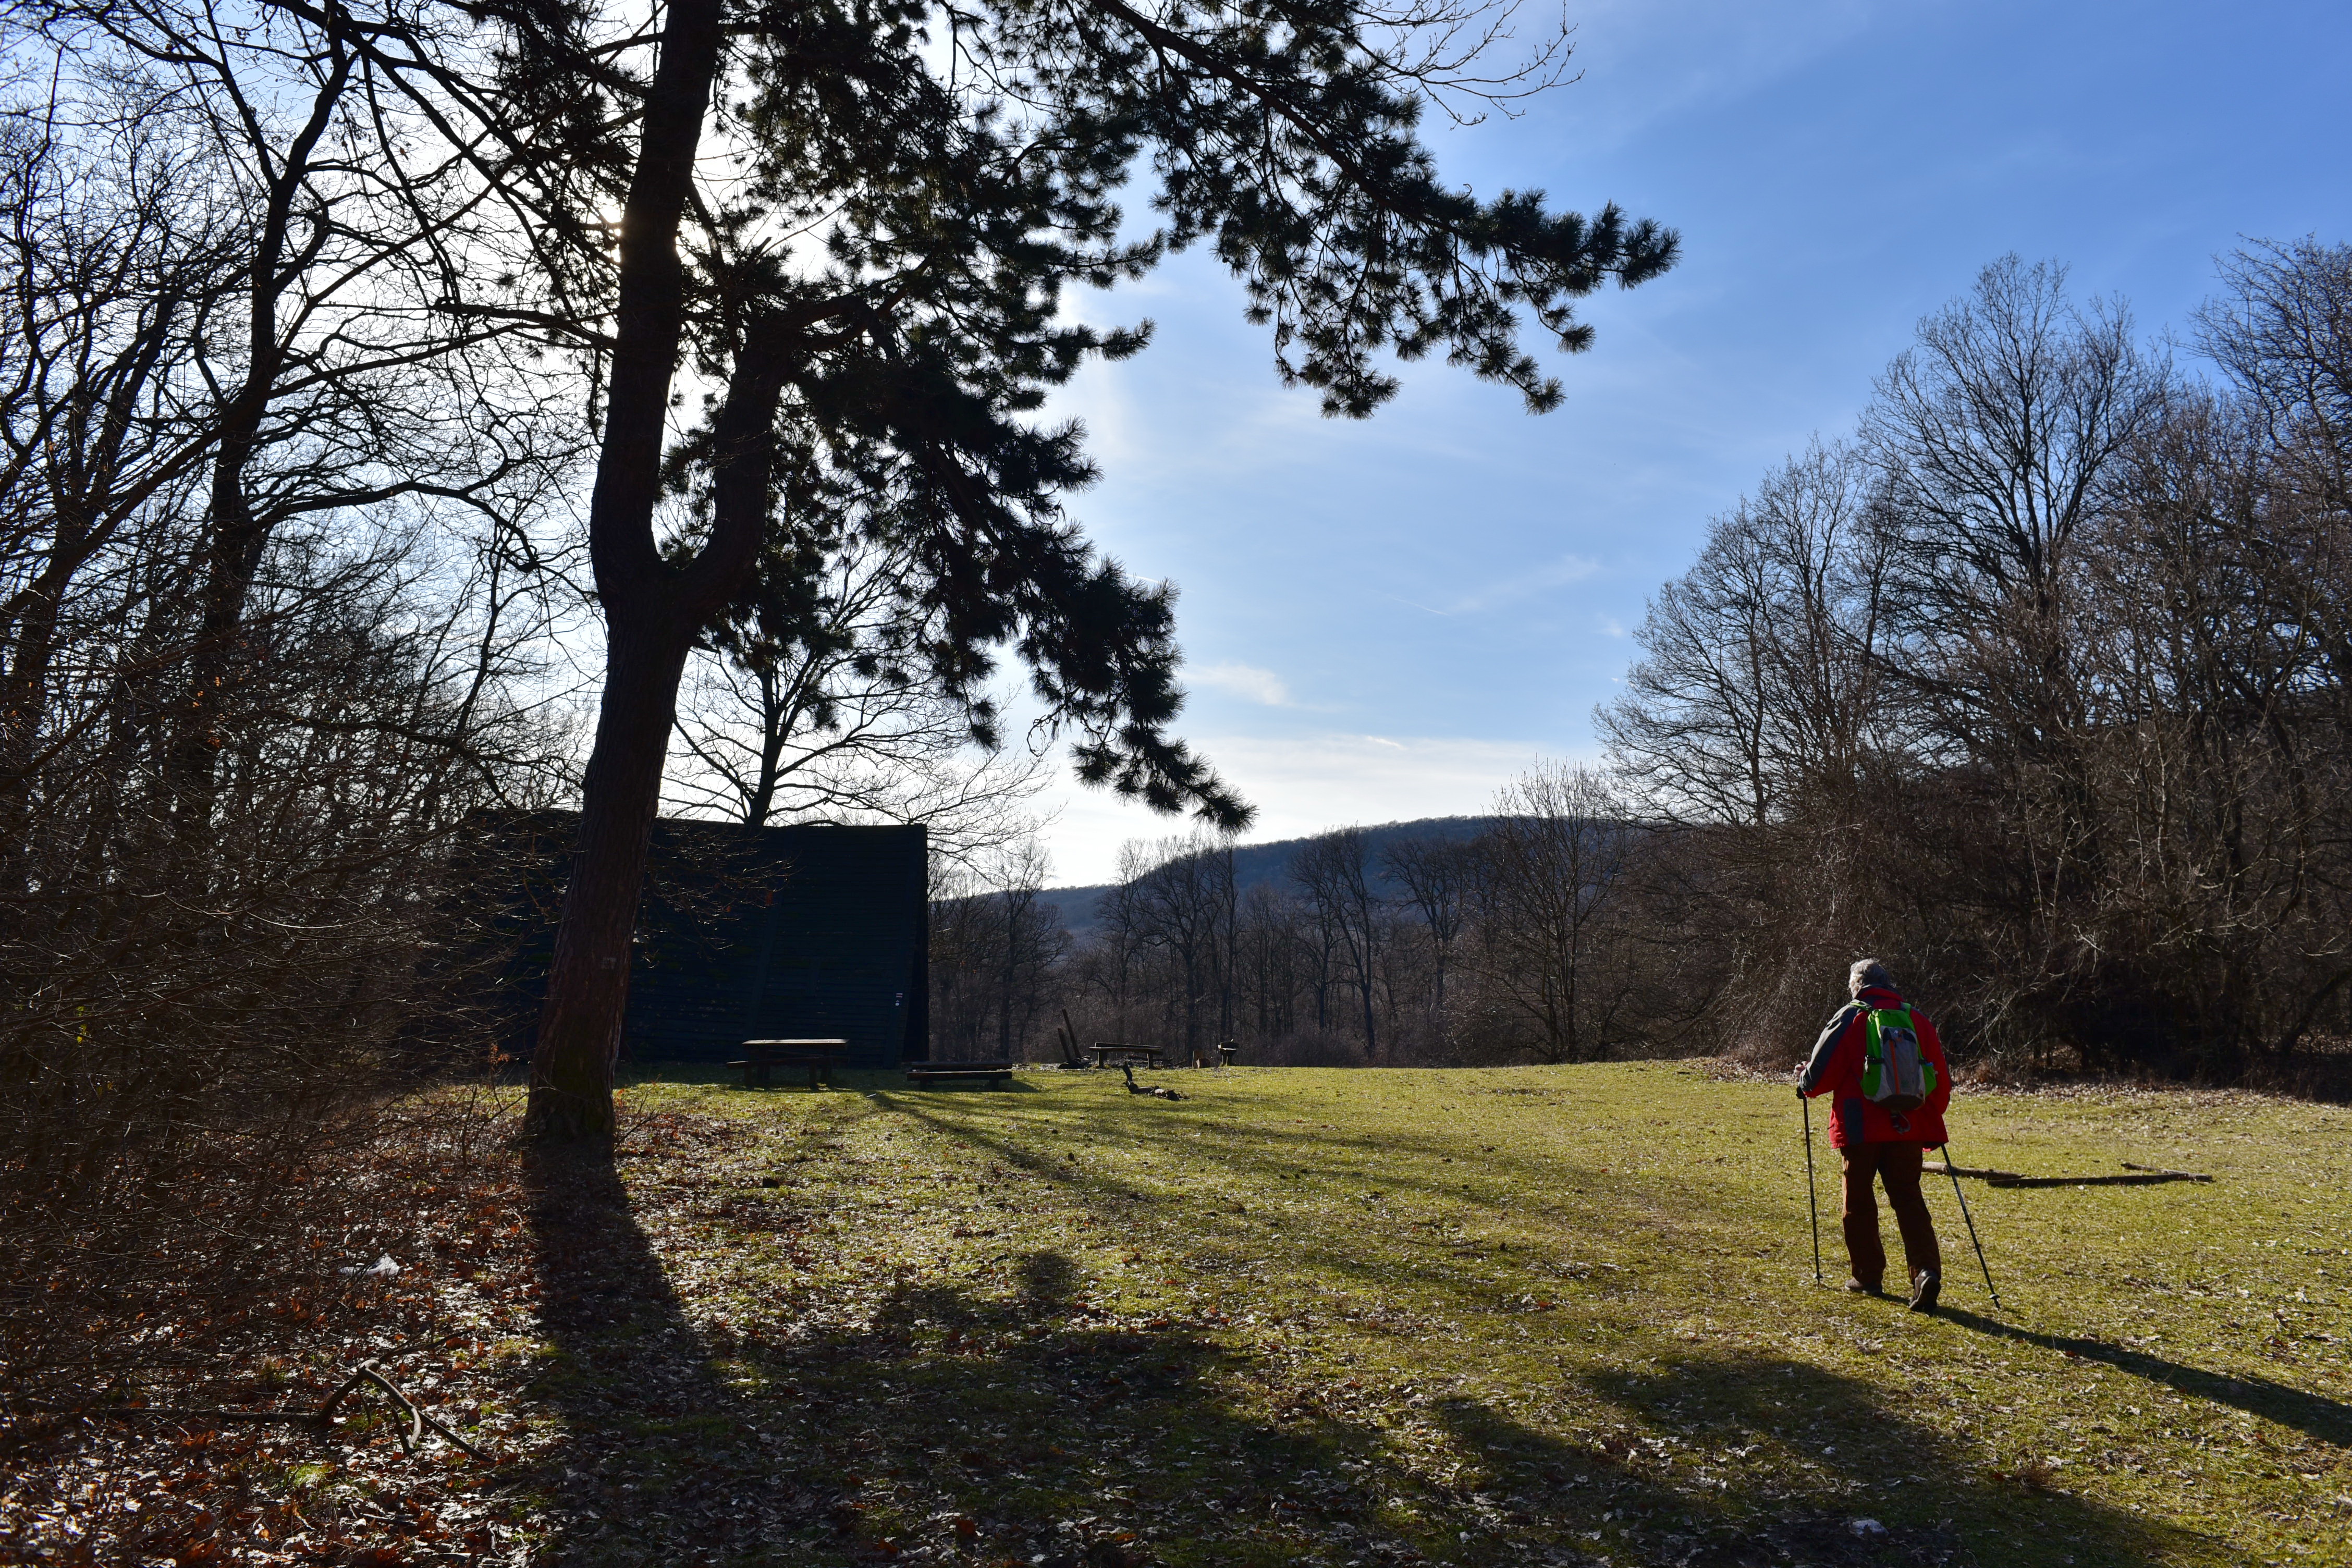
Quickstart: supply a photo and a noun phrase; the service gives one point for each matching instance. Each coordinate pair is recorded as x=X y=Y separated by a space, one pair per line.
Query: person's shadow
x=2328 y=1420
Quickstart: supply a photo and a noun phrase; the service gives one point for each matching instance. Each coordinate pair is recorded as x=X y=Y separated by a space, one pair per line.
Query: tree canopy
x=893 y=200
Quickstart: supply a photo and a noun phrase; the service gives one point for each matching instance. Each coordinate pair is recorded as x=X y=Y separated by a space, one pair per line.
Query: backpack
x=1896 y=1074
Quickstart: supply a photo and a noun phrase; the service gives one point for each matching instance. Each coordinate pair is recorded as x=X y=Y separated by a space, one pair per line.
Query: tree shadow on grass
x=990 y=1413
x=654 y=1442
x=994 y=1417
x=1304 y=1157
x=2328 y=1420
x=1754 y=1462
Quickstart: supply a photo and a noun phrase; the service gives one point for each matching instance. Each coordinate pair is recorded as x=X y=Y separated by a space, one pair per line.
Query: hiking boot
x=1857 y=1287
x=1925 y=1288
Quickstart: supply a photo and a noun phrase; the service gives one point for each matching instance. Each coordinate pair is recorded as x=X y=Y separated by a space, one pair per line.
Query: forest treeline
x=1533 y=939
x=2034 y=685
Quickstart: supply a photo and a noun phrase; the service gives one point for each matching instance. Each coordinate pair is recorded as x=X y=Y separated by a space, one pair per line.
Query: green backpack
x=1895 y=1073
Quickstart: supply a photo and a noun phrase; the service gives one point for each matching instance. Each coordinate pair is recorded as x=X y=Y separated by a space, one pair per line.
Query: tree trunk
x=651 y=608
x=1192 y=1000
x=775 y=721
x=236 y=536
x=588 y=984
x=233 y=556
x=1015 y=907
x=1228 y=1016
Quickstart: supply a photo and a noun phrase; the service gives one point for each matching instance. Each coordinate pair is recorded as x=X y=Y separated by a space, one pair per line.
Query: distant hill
x=1256 y=863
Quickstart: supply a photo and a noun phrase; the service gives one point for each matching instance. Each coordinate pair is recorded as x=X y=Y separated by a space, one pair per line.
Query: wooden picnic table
x=820 y=1056
x=1109 y=1051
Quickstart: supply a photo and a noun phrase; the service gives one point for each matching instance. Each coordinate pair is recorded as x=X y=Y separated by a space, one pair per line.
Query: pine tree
x=855 y=223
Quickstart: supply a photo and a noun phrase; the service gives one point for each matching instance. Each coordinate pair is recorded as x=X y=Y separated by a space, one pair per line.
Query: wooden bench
x=955 y=1072
x=1109 y=1051
x=820 y=1056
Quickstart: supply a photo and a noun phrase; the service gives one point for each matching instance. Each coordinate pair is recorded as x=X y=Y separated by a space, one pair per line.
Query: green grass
x=1521 y=1316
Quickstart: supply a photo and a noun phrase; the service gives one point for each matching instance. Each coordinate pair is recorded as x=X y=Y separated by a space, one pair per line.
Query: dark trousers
x=1897 y=1165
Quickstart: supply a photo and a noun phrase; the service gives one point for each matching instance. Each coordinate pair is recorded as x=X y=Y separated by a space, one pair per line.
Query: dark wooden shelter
x=745 y=933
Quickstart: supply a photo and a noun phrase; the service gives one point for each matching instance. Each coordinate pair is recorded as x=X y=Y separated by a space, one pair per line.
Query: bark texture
x=650 y=609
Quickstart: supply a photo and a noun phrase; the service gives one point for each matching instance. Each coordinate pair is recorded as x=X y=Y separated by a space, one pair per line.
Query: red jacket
x=1835 y=1066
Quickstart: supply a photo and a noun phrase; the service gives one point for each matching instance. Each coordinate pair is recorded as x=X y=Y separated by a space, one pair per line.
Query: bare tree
x=1761 y=683
x=996 y=955
x=2200 y=762
x=112 y=258
x=1998 y=440
x=1437 y=875
x=812 y=705
x=2283 y=335
x=1271 y=952
x=1111 y=965
x=338 y=371
x=1553 y=958
x=1185 y=904
x=2056 y=709
x=1335 y=871
x=1034 y=941
x=269 y=609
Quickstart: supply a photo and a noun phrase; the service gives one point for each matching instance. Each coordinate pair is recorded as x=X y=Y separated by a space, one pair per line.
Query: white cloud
x=1242 y=681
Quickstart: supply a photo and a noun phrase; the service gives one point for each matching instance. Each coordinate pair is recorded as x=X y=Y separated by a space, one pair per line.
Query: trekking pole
x=1952 y=1171
x=1811 y=1201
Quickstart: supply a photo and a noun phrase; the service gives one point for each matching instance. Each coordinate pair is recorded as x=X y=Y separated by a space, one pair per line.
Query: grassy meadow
x=1523 y=1316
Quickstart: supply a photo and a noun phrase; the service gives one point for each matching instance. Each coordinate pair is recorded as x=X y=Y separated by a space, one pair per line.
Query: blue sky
x=1387 y=619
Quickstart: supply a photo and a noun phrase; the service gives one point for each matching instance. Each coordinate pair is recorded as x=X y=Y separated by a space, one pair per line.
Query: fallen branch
x=186 y=1413
x=1156 y=1091
x=322 y=1417
x=417 y=1420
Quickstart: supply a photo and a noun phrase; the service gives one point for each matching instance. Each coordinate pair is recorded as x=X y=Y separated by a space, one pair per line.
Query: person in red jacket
x=1879 y=1144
